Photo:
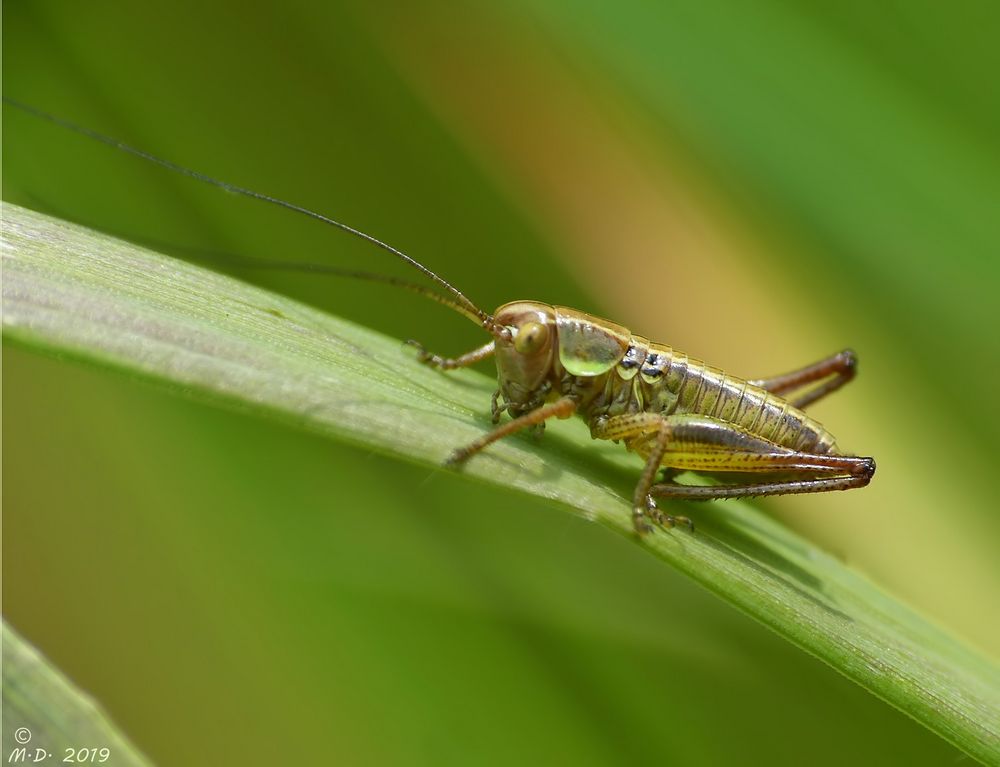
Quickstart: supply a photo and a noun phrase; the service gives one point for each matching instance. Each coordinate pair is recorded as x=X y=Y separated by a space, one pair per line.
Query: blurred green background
x=757 y=184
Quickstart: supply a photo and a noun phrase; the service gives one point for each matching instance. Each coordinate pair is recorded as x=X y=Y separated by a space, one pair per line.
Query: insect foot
x=668 y=520
x=653 y=512
x=458 y=457
x=424 y=356
x=642 y=527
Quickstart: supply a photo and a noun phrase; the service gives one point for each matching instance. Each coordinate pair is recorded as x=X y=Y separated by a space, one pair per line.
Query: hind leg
x=701 y=443
x=834 y=371
x=657 y=429
x=809 y=474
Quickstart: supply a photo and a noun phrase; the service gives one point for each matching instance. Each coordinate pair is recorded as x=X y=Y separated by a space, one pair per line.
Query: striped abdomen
x=656 y=378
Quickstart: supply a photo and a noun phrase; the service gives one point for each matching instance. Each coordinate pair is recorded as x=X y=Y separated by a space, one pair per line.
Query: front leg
x=450 y=363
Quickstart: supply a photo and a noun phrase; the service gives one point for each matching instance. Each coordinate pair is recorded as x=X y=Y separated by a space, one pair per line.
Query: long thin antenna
x=239 y=262
x=472 y=311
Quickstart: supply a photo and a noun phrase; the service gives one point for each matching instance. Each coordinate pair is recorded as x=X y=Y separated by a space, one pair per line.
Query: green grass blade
x=45 y=714
x=78 y=293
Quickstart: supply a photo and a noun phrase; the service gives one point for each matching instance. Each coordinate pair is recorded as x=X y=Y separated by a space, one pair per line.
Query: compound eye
x=531 y=337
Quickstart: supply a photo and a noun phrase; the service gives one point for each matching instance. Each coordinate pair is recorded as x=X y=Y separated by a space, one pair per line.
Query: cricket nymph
x=610 y=373
x=673 y=411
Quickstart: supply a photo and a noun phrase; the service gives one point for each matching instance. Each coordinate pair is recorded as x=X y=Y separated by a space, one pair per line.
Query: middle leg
x=561 y=408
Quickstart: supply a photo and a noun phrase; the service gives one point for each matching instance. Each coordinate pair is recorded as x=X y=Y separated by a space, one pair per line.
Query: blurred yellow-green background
x=758 y=184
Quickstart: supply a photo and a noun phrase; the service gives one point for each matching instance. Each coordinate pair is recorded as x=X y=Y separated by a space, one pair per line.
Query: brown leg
x=562 y=408
x=842 y=367
x=450 y=363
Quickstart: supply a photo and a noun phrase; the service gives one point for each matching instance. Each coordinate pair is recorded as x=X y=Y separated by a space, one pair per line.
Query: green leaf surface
x=45 y=714
x=74 y=292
